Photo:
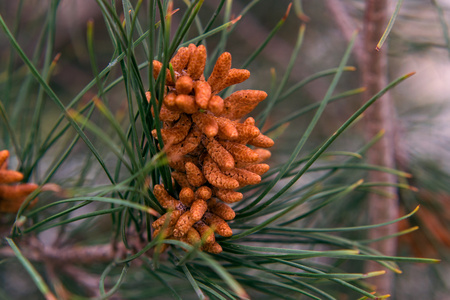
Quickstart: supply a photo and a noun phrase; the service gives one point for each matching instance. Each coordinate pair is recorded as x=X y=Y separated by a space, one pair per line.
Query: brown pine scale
x=203 y=192
x=243 y=176
x=197 y=62
x=240 y=152
x=207 y=123
x=234 y=76
x=192 y=48
x=250 y=121
x=177 y=133
x=167 y=115
x=210 y=156
x=187 y=196
x=214 y=248
x=205 y=232
x=221 y=209
x=227 y=129
x=189 y=144
x=163 y=197
x=170 y=101
x=192 y=237
x=219 y=154
x=202 y=94
x=261 y=141
x=180 y=60
x=16 y=192
x=184 y=85
x=246 y=132
x=220 y=71
x=220 y=226
x=4 y=154
x=157 y=66
x=259 y=169
x=194 y=175
x=264 y=155
x=173 y=218
x=228 y=196
x=198 y=209
x=12 y=196
x=9 y=176
x=181 y=179
x=186 y=103
x=178 y=162
x=165 y=233
x=215 y=105
x=241 y=103
x=183 y=224
x=216 y=177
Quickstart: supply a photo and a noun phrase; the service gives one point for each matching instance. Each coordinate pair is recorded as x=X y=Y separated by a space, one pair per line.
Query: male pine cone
x=206 y=145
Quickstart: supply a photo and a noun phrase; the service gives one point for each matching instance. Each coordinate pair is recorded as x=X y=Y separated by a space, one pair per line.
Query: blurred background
x=419 y=42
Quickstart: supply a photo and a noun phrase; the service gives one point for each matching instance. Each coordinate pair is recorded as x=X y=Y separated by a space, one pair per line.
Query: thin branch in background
x=346 y=24
x=380 y=116
x=35 y=250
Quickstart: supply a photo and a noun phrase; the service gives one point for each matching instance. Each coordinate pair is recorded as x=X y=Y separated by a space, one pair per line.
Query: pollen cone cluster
x=12 y=194
x=207 y=146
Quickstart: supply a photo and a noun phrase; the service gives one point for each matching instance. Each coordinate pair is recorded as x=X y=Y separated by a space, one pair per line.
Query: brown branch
x=35 y=250
x=380 y=116
x=80 y=255
x=69 y=260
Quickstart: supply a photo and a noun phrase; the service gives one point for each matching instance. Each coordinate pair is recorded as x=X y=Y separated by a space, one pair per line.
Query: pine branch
x=35 y=250
x=380 y=117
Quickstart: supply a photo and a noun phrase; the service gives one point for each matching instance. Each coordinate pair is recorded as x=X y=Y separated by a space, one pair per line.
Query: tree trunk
x=380 y=116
